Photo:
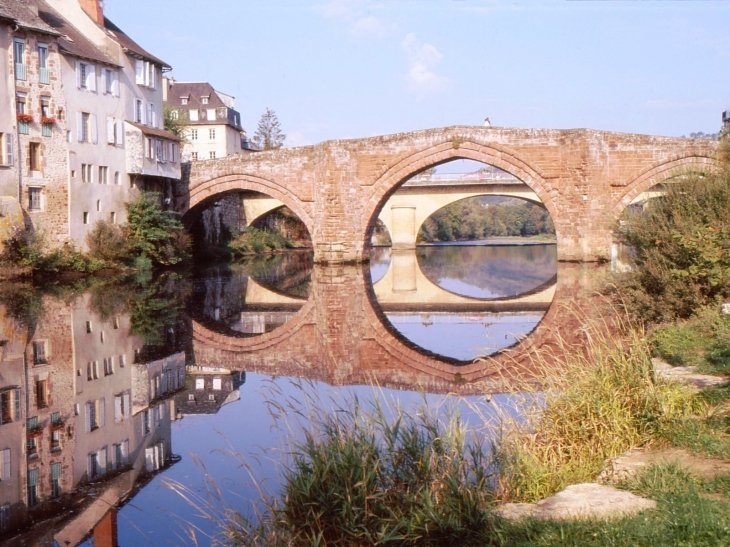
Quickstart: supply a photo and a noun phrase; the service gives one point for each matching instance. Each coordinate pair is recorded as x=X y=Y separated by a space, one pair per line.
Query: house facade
x=82 y=131
x=214 y=127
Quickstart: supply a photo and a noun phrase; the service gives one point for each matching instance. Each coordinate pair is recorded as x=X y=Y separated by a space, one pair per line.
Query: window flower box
x=25 y=118
x=45 y=120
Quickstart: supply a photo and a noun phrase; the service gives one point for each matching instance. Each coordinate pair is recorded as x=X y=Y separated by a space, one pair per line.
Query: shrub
x=108 y=241
x=255 y=241
x=682 y=249
x=154 y=233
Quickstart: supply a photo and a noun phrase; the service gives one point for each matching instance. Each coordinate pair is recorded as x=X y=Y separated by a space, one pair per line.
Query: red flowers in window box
x=48 y=121
x=37 y=431
x=27 y=118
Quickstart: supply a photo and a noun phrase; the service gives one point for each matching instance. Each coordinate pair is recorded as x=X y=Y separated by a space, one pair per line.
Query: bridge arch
x=203 y=194
x=658 y=173
x=499 y=156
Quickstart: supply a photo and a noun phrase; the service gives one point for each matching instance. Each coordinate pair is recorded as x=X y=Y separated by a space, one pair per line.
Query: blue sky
x=336 y=69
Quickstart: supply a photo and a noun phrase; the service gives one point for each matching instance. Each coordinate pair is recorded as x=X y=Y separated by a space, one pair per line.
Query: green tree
x=268 y=133
x=156 y=234
x=176 y=122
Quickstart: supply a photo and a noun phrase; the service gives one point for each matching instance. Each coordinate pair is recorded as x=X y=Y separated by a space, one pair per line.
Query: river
x=118 y=393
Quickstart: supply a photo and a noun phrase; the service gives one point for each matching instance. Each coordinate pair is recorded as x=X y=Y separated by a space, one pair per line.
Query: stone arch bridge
x=585 y=178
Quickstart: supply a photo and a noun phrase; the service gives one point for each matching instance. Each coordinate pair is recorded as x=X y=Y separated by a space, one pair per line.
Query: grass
x=703 y=341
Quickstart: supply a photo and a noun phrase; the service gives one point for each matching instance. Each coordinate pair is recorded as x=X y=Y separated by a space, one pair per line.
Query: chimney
x=95 y=9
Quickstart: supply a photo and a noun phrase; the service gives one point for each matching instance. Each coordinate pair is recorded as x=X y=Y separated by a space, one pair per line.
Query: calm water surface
x=113 y=390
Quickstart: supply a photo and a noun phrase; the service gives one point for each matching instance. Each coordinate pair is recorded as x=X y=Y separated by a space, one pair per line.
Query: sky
x=340 y=69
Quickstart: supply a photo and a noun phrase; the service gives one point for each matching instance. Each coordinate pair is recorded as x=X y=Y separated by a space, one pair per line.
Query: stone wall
x=584 y=177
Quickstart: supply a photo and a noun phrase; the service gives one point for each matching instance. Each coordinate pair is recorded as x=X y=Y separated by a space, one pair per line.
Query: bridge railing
x=462 y=178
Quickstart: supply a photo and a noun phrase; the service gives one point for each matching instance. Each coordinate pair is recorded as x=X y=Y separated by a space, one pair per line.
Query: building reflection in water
x=85 y=418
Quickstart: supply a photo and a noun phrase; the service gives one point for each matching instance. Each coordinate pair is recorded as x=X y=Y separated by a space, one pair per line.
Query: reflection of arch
x=223 y=342
x=492 y=154
x=205 y=193
x=658 y=173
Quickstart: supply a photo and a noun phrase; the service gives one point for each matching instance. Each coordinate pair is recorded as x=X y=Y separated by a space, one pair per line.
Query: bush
x=682 y=249
x=255 y=241
x=108 y=241
x=154 y=233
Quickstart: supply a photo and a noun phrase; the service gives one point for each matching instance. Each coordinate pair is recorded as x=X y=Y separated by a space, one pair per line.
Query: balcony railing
x=44 y=76
x=46 y=130
x=23 y=128
x=21 y=71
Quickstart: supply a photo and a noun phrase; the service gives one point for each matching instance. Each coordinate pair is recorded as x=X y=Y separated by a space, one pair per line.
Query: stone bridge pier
x=585 y=178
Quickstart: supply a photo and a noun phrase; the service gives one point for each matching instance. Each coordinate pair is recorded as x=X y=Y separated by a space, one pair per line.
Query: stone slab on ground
x=686 y=375
x=579 y=501
x=629 y=465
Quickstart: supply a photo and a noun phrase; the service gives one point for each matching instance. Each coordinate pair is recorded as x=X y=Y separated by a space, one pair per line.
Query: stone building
x=81 y=123
x=214 y=127
x=208 y=389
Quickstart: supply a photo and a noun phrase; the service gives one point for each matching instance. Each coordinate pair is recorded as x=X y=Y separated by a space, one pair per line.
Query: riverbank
x=494 y=241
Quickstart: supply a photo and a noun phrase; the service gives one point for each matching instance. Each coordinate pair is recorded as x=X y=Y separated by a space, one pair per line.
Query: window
x=31 y=448
x=86 y=217
x=55 y=440
x=56 y=480
x=122 y=361
x=183 y=100
x=56 y=418
x=20 y=99
x=88 y=327
x=21 y=72
x=174 y=115
x=34 y=199
x=193 y=115
x=85 y=76
x=32 y=487
x=108 y=366
x=6 y=153
x=41 y=391
x=34 y=153
x=211 y=155
x=211 y=114
x=216 y=383
x=117 y=178
x=204 y=100
x=139 y=72
x=193 y=134
x=194 y=156
x=119 y=454
x=97 y=463
x=85 y=172
x=94 y=415
x=4 y=516
x=151 y=115
x=86 y=127
x=5 y=464
x=103 y=175
x=109 y=81
x=39 y=352
x=111 y=135
x=151 y=75
x=146 y=424
x=138 y=110
x=11 y=406
x=113 y=217
x=173 y=147
x=98 y=208
x=44 y=75
x=211 y=397
x=211 y=135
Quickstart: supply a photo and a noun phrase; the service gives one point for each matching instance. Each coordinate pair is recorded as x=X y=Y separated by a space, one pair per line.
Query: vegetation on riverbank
x=486 y=217
x=258 y=241
x=151 y=237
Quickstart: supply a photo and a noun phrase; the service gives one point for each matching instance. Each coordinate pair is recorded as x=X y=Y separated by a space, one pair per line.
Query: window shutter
x=120 y=135
x=139 y=72
x=118 y=408
x=125 y=450
x=149 y=459
x=87 y=415
x=153 y=75
x=115 y=83
x=153 y=111
x=102 y=460
x=94 y=130
x=91 y=78
x=6 y=464
x=101 y=412
x=110 y=134
x=79 y=126
x=9 y=149
x=18 y=413
x=103 y=80
x=127 y=409
x=90 y=465
x=115 y=462
x=78 y=74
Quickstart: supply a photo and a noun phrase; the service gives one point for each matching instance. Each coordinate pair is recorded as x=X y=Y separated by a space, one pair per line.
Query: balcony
x=139 y=161
x=21 y=71
x=44 y=76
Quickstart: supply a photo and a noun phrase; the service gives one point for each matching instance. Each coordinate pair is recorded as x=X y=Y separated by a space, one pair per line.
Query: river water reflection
x=109 y=386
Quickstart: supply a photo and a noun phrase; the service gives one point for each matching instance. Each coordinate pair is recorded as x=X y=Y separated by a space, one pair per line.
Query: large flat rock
x=629 y=465
x=580 y=501
x=686 y=375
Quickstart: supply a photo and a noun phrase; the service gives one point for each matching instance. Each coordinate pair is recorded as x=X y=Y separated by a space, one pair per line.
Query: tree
x=268 y=133
x=156 y=234
x=175 y=123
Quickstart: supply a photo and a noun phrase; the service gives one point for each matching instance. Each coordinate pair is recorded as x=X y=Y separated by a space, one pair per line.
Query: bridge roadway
x=341 y=336
x=583 y=177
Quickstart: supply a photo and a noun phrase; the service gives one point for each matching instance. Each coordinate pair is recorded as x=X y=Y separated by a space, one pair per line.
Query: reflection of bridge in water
x=341 y=336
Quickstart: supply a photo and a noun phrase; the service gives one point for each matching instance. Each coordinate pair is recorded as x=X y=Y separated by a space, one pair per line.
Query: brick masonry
x=585 y=178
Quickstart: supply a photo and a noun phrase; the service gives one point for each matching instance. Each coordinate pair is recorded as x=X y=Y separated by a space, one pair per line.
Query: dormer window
x=183 y=100
x=204 y=100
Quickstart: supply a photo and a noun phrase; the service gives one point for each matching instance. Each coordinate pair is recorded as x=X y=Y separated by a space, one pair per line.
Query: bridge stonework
x=584 y=178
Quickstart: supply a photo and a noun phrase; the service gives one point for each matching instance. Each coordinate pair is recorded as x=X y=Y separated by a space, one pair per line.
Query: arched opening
x=472 y=265
x=244 y=222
